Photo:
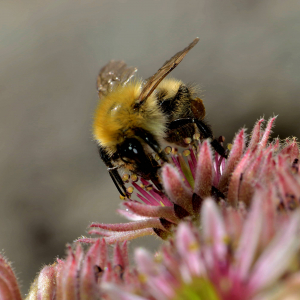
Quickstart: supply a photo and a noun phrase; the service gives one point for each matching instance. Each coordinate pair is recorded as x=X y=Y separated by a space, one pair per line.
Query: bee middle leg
x=203 y=128
x=113 y=172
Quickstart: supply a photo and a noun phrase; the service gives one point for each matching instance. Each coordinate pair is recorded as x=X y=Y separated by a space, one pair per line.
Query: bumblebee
x=134 y=117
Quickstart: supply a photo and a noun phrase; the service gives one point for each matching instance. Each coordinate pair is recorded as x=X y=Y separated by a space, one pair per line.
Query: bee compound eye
x=132 y=149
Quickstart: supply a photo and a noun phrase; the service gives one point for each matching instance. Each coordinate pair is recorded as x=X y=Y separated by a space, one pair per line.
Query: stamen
x=168 y=150
x=188 y=140
x=134 y=178
x=145 y=194
x=156 y=157
x=196 y=137
x=125 y=178
x=130 y=190
x=186 y=152
x=193 y=156
x=174 y=151
x=149 y=187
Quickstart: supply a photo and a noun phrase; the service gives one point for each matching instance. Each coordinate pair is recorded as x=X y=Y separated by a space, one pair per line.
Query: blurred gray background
x=52 y=181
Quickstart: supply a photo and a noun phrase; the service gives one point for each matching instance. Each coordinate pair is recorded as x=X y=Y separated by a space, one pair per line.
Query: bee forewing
x=168 y=66
x=112 y=74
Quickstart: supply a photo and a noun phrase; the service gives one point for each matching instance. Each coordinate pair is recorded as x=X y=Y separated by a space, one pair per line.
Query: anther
x=134 y=178
x=125 y=177
x=130 y=189
x=168 y=150
x=186 y=152
x=188 y=140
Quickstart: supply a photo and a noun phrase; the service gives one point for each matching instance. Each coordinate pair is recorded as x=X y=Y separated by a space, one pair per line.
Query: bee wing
x=114 y=73
x=168 y=66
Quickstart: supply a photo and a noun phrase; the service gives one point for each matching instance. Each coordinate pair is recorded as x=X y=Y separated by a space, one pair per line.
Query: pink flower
x=81 y=275
x=215 y=263
x=187 y=182
x=9 y=289
x=231 y=227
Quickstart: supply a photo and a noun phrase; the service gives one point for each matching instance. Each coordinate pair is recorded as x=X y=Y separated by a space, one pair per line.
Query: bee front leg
x=113 y=172
x=203 y=128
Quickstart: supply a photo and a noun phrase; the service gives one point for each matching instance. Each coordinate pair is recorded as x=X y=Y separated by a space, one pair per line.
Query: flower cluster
x=231 y=226
x=81 y=275
x=237 y=255
x=250 y=165
x=257 y=260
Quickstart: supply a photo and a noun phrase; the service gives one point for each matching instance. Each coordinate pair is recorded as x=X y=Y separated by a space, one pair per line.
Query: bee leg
x=152 y=142
x=116 y=178
x=113 y=172
x=203 y=128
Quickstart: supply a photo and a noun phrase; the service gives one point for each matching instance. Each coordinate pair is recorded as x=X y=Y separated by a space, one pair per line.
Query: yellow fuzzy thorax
x=115 y=116
x=171 y=85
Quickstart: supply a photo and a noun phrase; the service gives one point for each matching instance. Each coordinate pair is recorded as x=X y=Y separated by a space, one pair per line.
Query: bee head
x=132 y=149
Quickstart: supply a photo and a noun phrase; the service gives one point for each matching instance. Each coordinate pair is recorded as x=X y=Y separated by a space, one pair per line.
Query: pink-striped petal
x=153 y=222
x=252 y=230
x=255 y=135
x=176 y=189
x=267 y=133
x=115 y=293
x=9 y=289
x=276 y=258
x=165 y=212
x=214 y=228
x=204 y=172
x=128 y=235
x=233 y=159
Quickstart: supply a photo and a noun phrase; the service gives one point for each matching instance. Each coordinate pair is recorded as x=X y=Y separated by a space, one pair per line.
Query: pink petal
x=79 y=254
x=204 y=172
x=46 y=283
x=102 y=233
x=234 y=158
x=124 y=249
x=266 y=135
x=249 y=179
x=291 y=150
x=213 y=227
x=67 y=279
x=176 y=189
x=130 y=216
x=153 y=222
x=115 y=293
x=255 y=135
x=250 y=237
x=235 y=180
x=288 y=186
x=165 y=212
x=161 y=288
x=266 y=173
x=9 y=289
x=276 y=258
x=128 y=235
x=118 y=256
x=88 y=286
x=189 y=249
x=98 y=252
x=145 y=262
